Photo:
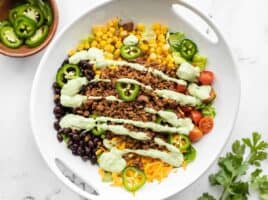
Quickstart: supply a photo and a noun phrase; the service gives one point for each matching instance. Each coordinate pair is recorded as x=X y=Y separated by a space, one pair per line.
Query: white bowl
x=227 y=86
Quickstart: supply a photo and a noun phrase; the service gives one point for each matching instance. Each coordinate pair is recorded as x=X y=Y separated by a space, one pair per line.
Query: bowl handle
x=203 y=16
x=71 y=185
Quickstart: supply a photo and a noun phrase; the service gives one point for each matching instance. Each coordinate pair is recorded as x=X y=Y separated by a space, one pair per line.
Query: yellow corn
x=144 y=47
x=140 y=27
x=117 y=53
x=71 y=52
x=98 y=72
x=118 y=44
x=80 y=47
x=109 y=56
x=87 y=45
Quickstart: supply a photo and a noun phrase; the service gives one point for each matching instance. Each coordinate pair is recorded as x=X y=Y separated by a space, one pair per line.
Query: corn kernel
x=94 y=43
x=98 y=72
x=98 y=33
x=140 y=27
x=71 y=52
x=110 y=23
x=123 y=33
x=161 y=38
x=104 y=37
x=152 y=56
x=117 y=53
x=113 y=67
x=164 y=29
x=109 y=56
x=152 y=50
x=87 y=45
x=109 y=48
x=156 y=26
x=118 y=44
x=80 y=47
x=111 y=30
x=102 y=44
x=144 y=47
x=109 y=40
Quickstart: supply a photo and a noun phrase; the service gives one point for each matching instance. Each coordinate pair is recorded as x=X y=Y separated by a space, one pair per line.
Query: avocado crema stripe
x=113 y=160
x=96 y=57
x=185 y=125
x=71 y=98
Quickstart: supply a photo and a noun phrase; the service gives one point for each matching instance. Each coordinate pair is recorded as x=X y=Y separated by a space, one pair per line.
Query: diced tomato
x=196 y=134
x=206 y=77
x=196 y=116
x=206 y=124
x=181 y=88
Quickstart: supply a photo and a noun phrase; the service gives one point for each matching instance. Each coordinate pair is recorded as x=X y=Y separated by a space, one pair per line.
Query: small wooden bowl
x=24 y=51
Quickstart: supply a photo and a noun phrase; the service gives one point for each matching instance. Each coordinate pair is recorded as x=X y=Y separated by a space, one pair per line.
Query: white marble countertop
x=23 y=173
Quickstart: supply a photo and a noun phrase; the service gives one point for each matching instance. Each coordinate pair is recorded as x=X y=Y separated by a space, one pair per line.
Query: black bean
x=93 y=159
x=58 y=116
x=89 y=74
x=59 y=137
x=76 y=137
x=95 y=140
x=75 y=132
x=57 y=125
x=80 y=151
x=87 y=150
x=81 y=142
x=85 y=158
x=74 y=152
x=90 y=144
x=84 y=64
x=56 y=85
x=67 y=131
x=58 y=110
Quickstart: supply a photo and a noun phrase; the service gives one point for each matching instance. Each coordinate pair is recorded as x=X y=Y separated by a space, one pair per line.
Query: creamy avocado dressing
x=91 y=54
x=81 y=123
x=178 y=97
x=113 y=161
x=188 y=72
x=77 y=122
x=96 y=56
x=169 y=116
x=73 y=87
x=184 y=125
x=132 y=81
x=108 y=98
x=139 y=67
x=130 y=40
x=202 y=92
x=70 y=96
x=72 y=101
x=121 y=130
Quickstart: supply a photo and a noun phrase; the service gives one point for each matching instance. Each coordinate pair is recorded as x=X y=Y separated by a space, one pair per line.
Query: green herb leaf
x=206 y=196
x=235 y=164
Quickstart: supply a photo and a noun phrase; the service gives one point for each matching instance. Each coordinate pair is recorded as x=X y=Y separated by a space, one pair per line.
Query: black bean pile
x=81 y=143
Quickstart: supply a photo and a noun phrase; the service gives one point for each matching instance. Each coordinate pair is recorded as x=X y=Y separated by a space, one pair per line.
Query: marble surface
x=23 y=173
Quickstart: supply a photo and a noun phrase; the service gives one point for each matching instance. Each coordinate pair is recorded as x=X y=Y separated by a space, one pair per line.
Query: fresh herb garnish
x=234 y=167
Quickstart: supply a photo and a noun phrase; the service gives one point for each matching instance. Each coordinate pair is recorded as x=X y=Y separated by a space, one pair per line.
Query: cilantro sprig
x=234 y=167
